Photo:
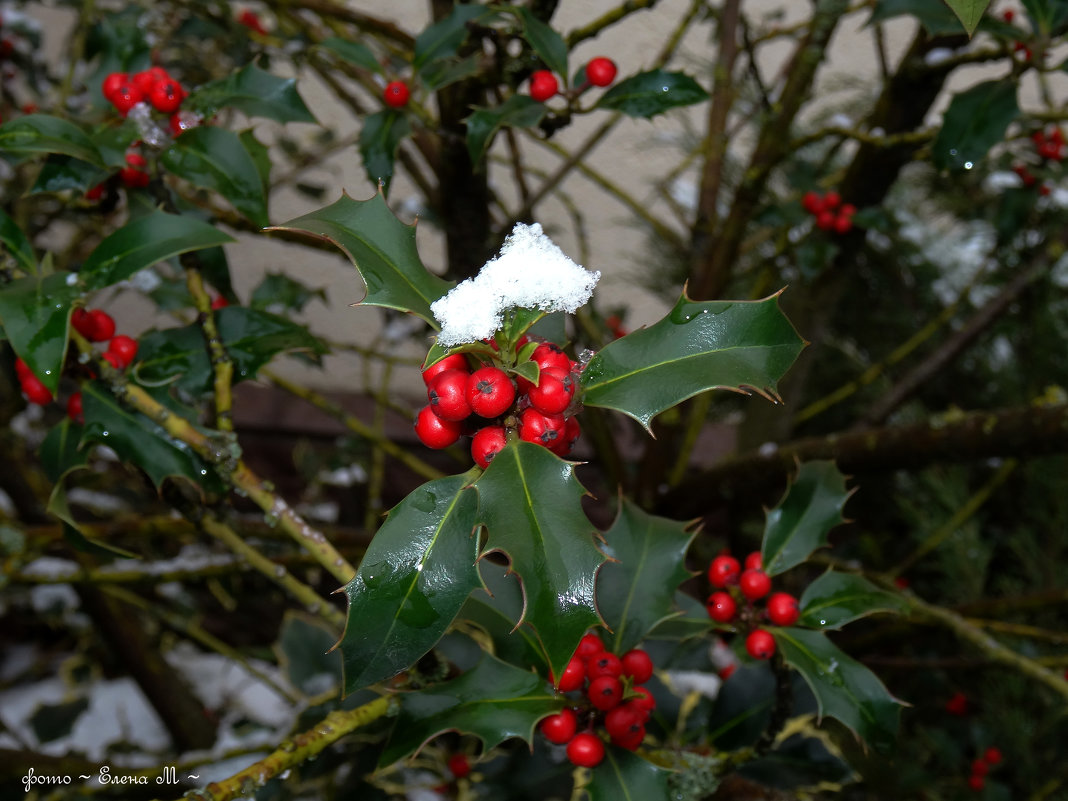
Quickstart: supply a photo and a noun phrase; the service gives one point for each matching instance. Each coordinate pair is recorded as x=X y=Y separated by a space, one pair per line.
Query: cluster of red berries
x=1017 y=47
x=733 y=584
x=1029 y=179
x=1049 y=146
x=487 y=403
x=830 y=212
x=153 y=86
x=982 y=765
x=614 y=698
x=600 y=71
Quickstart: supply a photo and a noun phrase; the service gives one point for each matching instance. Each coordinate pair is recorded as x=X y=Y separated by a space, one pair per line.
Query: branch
x=593 y=28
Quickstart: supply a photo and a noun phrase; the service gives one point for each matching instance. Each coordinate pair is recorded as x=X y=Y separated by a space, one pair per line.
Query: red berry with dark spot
x=605 y=692
x=721 y=607
x=126 y=97
x=585 y=750
x=166 y=96
x=589 y=645
x=490 y=392
x=74 y=408
x=562 y=446
x=754 y=584
x=643 y=699
x=724 y=570
x=435 y=432
x=559 y=728
x=81 y=322
x=604 y=664
x=601 y=71
x=638 y=665
x=35 y=391
x=548 y=355
x=542 y=429
x=125 y=348
x=396 y=94
x=447 y=394
x=760 y=644
x=134 y=178
x=554 y=391
x=487 y=443
x=543 y=85
x=783 y=609
x=459 y=765
x=455 y=361
x=622 y=721
x=112 y=83
x=102 y=326
x=573 y=676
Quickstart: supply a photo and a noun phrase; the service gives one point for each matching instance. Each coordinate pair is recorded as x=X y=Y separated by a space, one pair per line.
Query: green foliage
x=39 y=133
x=519 y=110
x=255 y=92
x=379 y=138
x=650 y=93
x=628 y=777
x=969 y=12
x=975 y=121
x=34 y=312
x=835 y=599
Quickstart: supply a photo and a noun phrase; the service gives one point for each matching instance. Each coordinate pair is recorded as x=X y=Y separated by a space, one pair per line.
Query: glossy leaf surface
x=843 y=687
x=518 y=111
x=216 y=159
x=60 y=173
x=382 y=249
x=546 y=42
x=60 y=450
x=16 y=243
x=799 y=524
x=255 y=92
x=745 y=346
x=416 y=574
x=39 y=133
x=625 y=776
x=975 y=121
x=637 y=592
x=444 y=38
x=493 y=702
x=34 y=312
x=969 y=12
x=143 y=242
x=936 y=18
x=835 y=599
x=380 y=136
x=530 y=503
x=495 y=610
x=650 y=93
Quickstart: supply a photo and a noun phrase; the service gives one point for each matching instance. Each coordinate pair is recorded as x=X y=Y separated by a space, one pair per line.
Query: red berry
x=721 y=607
x=642 y=699
x=783 y=609
x=724 y=570
x=754 y=561
x=102 y=326
x=166 y=96
x=94 y=193
x=459 y=765
x=543 y=85
x=585 y=750
x=125 y=348
x=980 y=768
x=604 y=664
x=621 y=721
x=81 y=322
x=831 y=200
x=632 y=740
x=134 y=178
x=760 y=644
x=35 y=391
x=547 y=355
x=957 y=705
x=126 y=97
x=843 y=224
x=447 y=394
x=976 y=782
x=433 y=431
x=992 y=755
x=847 y=210
x=812 y=202
x=113 y=359
x=728 y=671
x=589 y=645
x=219 y=302
x=601 y=71
x=1008 y=15
x=638 y=665
x=554 y=391
x=112 y=83
x=74 y=408
x=825 y=220
x=182 y=121
x=455 y=361
x=562 y=446
x=249 y=19
x=396 y=94
x=559 y=728
x=573 y=676
x=145 y=80
x=490 y=392
x=487 y=443
x=21 y=368
x=605 y=692
x=754 y=584
x=542 y=429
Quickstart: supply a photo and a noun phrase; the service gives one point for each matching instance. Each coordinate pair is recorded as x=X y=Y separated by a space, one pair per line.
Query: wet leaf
x=547 y=43
x=969 y=12
x=61 y=452
x=650 y=93
x=495 y=610
x=255 y=92
x=975 y=121
x=34 y=312
x=353 y=52
x=835 y=599
x=444 y=38
x=625 y=776
x=16 y=243
x=518 y=111
x=936 y=17
x=31 y=134
x=380 y=137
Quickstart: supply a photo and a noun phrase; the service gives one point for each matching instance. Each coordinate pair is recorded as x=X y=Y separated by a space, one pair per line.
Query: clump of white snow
x=530 y=272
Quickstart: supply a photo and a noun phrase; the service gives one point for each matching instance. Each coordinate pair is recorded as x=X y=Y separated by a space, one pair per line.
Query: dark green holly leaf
x=52 y=721
x=650 y=93
x=305 y=653
x=39 y=133
x=799 y=761
x=637 y=592
x=252 y=338
x=33 y=312
x=969 y=12
x=530 y=502
x=145 y=241
x=72 y=529
x=139 y=441
x=975 y=121
x=380 y=137
x=745 y=346
x=843 y=687
x=547 y=43
x=496 y=610
x=742 y=709
x=278 y=293
x=1046 y=16
x=835 y=599
x=935 y=17
x=413 y=579
x=494 y=702
x=63 y=173
x=625 y=776
x=444 y=38
x=17 y=243
x=439 y=74
x=382 y=249
x=216 y=159
x=61 y=452
x=799 y=524
x=353 y=52
x=518 y=111
x=113 y=141
x=261 y=158
x=255 y=92
x=691 y=621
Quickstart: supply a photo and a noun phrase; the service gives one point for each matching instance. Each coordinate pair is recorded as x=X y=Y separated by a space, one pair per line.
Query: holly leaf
x=518 y=111
x=380 y=137
x=255 y=92
x=382 y=249
x=416 y=574
x=835 y=599
x=690 y=621
x=34 y=312
x=969 y=12
x=650 y=93
x=494 y=701
x=975 y=121
x=444 y=38
x=936 y=18
x=278 y=293
x=61 y=450
x=63 y=173
x=31 y=134
x=530 y=502
x=144 y=242
x=844 y=688
x=744 y=346
x=445 y=72
x=215 y=158
x=352 y=52
x=547 y=43
x=495 y=610
x=625 y=776
x=16 y=243
x=636 y=592
x=59 y=508
x=799 y=524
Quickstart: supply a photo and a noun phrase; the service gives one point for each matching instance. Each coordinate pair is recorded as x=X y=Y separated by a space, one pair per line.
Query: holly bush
x=715 y=554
